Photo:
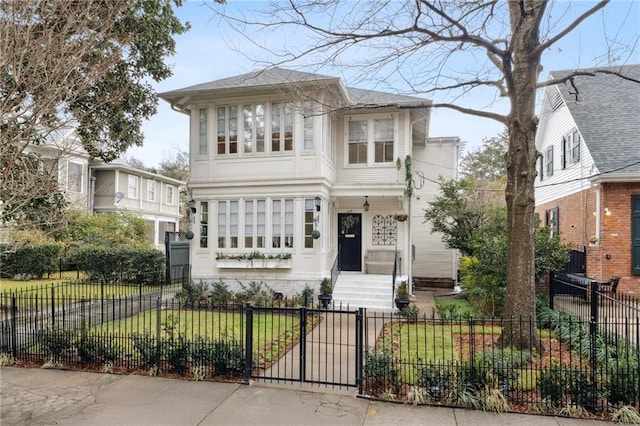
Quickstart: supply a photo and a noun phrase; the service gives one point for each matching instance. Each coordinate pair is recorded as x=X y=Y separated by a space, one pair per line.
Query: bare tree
x=74 y=79
x=424 y=43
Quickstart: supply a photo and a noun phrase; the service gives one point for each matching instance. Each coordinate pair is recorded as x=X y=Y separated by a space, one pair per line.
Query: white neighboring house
x=588 y=182
x=278 y=154
x=98 y=187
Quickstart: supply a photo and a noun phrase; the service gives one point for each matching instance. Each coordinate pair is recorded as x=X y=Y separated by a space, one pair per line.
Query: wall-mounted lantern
x=366 y=203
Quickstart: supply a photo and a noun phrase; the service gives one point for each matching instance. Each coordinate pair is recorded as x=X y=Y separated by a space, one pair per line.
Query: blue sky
x=204 y=54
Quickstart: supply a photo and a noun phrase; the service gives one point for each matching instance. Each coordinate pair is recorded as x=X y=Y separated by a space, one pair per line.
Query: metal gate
x=322 y=346
x=177 y=257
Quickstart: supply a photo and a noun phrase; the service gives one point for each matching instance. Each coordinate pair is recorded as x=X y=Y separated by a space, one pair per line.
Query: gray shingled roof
x=267 y=77
x=278 y=76
x=607 y=114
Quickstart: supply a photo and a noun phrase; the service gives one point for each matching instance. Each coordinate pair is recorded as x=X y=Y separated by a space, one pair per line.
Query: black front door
x=350 y=241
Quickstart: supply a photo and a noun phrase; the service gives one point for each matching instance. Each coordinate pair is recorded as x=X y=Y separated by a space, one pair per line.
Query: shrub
x=623 y=386
x=56 y=341
x=436 y=379
x=228 y=357
x=220 y=293
x=257 y=293
x=106 y=262
x=147 y=349
x=381 y=370
x=192 y=294
x=94 y=349
x=36 y=259
x=551 y=384
x=410 y=313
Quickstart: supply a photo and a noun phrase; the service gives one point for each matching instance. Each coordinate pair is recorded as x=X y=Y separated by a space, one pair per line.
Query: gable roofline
x=605 y=109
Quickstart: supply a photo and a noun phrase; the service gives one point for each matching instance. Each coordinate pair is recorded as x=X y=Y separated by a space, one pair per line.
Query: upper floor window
x=570 y=149
x=308 y=126
x=133 y=187
x=227 y=130
x=74 y=177
x=358 y=142
x=383 y=140
x=169 y=194
x=253 y=120
x=548 y=162
x=281 y=127
x=151 y=190
x=372 y=134
x=203 y=146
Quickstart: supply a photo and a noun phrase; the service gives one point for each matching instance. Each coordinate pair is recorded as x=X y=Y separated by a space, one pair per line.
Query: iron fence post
x=14 y=327
x=593 y=330
x=248 y=338
x=53 y=306
x=158 y=330
x=359 y=349
x=303 y=343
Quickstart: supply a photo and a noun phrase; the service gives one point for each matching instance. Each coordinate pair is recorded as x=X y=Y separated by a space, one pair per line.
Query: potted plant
x=402 y=296
x=325 y=292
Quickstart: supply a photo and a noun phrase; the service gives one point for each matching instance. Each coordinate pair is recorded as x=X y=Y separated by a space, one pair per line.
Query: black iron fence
x=575 y=363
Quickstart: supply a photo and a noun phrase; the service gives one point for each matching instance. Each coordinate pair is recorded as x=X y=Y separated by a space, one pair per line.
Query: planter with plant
x=402 y=296
x=326 y=291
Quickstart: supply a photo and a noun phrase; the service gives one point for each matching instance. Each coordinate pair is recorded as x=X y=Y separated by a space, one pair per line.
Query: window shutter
x=541 y=166
x=564 y=152
x=555 y=221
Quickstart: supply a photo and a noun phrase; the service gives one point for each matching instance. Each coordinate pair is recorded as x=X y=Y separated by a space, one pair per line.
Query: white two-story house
x=293 y=176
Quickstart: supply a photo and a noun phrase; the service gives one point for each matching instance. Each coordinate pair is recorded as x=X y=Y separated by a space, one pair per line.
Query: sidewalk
x=48 y=397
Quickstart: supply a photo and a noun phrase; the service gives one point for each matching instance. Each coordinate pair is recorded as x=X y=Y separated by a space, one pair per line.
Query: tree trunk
x=521 y=77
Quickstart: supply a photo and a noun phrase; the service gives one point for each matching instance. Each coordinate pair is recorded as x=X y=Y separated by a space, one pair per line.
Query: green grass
x=272 y=334
x=459 y=306
x=11 y=285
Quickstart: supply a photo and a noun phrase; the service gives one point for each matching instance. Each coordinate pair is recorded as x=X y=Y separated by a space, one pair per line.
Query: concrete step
x=372 y=292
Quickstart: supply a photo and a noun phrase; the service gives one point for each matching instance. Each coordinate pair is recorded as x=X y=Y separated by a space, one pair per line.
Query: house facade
x=588 y=184
x=293 y=174
x=97 y=187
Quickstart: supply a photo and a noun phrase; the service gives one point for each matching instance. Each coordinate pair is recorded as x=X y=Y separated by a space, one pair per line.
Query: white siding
x=564 y=182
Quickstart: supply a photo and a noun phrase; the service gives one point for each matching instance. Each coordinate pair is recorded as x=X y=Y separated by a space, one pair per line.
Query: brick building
x=588 y=184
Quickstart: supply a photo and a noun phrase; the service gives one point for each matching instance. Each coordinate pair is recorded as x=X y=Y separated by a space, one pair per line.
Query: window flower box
x=281 y=261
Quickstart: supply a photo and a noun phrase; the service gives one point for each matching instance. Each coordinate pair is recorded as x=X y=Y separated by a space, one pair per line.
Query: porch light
x=192 y=205
x=317 y=201
x=366 y=203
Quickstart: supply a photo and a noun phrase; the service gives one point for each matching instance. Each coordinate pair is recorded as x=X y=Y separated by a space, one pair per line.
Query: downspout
x=92 y=192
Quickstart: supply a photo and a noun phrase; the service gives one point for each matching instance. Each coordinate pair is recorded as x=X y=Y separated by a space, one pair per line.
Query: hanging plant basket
x=400 y=216
x=315 y=234
x=189 y=235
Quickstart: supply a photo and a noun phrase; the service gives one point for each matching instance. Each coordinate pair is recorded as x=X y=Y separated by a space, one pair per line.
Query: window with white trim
x=228 y=232
x=203 y=146
x=222 y=224
x=74 y=177
x=281 y=127
x=358 y=134
x=375 y=135
x=309 y=212
x=282 y=224
x=383 y=135
x=169 y=199
x=308 y=126
x=204 y=224
x=548 y=162
x=133 y=187
x=254 y=128
x=227 y=130
x=151 y=190
x=254 y=223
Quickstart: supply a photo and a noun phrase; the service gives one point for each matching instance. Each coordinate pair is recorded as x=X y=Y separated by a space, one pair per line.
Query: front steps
x=373 y=292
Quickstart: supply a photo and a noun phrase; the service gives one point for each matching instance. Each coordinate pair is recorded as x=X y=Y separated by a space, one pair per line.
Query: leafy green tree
x=463 y=214
x=489 y=162
x=81 y=69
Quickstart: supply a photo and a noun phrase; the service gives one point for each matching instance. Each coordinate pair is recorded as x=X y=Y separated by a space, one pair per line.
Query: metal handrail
x=335 y=270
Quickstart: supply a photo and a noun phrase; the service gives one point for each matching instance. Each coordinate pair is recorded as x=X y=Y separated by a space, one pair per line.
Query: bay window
x=227 y=130
x=203 y=146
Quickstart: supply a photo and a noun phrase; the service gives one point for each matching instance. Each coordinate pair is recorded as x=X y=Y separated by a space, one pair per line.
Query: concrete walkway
x=54 y=397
